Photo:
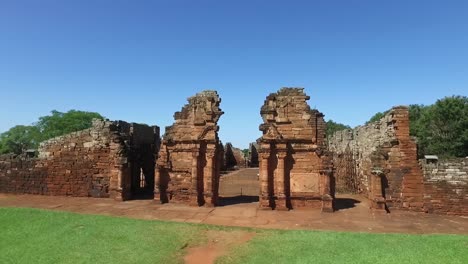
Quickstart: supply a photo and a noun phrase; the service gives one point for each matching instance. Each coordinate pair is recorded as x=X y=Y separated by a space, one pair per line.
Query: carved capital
x=282 y=154
x=264 y=155
x=210 y=153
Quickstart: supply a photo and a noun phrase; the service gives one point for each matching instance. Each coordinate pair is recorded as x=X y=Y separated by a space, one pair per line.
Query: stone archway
x=295 y=169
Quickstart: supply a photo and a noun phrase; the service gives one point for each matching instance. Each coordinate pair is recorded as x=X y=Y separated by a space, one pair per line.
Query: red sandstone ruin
x=298 y=166
x=294 y=167
x=190 y=157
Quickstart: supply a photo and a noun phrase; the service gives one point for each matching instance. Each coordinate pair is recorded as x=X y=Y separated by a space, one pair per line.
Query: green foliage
x=333 y=127
x=377 y=117
x=245 y=152
x=59 y=123
x=442 y=128
x=20 y=138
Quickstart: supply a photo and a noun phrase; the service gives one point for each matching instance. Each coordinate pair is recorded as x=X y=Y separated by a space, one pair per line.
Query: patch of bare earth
x=219 y=243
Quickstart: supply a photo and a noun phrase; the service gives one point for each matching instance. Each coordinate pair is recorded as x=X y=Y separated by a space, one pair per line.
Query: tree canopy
x=333 y=127
x=441 y=128
x=20 y=138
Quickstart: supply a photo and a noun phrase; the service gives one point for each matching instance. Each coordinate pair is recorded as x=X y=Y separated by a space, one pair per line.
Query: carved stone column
x=194 y=187
x=264 y=183
x=208 y=178
x=280 y=181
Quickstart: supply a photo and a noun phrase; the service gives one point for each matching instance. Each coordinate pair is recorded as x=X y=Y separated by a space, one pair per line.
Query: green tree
x=377 y=117
x=333 y=127
x=20 y=138
x=59 y=123
x=442 y=128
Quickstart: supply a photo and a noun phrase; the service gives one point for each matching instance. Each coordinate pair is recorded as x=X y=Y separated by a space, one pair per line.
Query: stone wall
x=252 y=159
x=294 y=165
x=446 y=186
x=380 y=161
x=101 y=161
x=189 y=163
x=233 y=158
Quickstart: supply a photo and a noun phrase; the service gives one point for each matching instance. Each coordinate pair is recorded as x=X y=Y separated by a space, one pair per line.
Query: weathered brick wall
x=380 y=161
x=95 y=162
x=19 y=174
x=190 y=159
x=446 y=186
x=294 y=166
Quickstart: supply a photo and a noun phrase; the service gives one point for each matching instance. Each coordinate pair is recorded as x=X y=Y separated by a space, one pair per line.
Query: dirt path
x=219 y=243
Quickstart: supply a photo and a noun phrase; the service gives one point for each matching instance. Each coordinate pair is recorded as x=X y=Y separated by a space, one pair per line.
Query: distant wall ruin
x=380 y=161
x=189 y=163
x=233 y=158
x=110 y=159
x=294 y=167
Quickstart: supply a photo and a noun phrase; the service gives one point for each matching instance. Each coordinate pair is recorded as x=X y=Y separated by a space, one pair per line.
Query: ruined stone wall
x=294 y=165
x=95 y=162
x=253 y=156
x=446 y=186
x=190 y=159
x=380 y=161
x=233 y=158
x=19 y=174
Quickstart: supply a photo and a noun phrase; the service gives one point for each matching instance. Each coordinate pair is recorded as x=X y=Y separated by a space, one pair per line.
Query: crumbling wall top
x=201 y=113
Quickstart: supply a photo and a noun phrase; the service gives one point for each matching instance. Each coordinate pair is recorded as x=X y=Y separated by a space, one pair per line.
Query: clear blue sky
x=139 y=60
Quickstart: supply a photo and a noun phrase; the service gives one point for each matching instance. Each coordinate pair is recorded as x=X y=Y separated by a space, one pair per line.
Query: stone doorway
x=241 y=186
x=142 y=172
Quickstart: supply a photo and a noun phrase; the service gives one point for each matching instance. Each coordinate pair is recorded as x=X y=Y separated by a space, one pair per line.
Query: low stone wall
x=446 y=186
x=96 y=162
x=20 y=175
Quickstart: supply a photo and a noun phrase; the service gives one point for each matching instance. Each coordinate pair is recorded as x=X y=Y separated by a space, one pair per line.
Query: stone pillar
x=264 y=199
x=157 y=184
x=194 y=187
x=208 y=178
x=280 y=181
x=327 y=199
x=376 y=192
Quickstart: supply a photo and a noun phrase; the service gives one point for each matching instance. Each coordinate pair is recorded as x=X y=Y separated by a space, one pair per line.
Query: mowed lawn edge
x=42 y=236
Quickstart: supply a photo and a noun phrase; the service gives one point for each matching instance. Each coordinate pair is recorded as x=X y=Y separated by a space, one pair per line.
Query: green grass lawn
x=39 y=236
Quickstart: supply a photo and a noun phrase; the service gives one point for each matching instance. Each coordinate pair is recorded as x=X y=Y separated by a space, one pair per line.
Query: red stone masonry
x=189 y=163
x=96 y=162
x=294 y=166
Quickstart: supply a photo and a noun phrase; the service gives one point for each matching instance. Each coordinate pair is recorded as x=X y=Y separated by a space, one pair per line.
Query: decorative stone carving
x=295 y=169
x=188 y=165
